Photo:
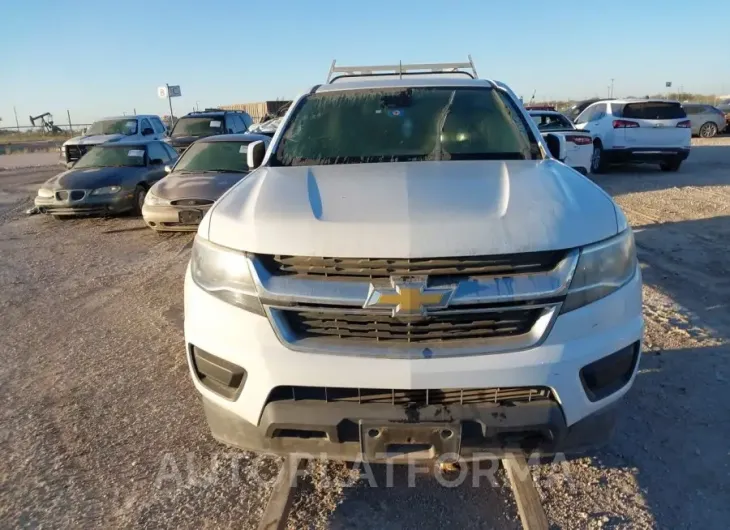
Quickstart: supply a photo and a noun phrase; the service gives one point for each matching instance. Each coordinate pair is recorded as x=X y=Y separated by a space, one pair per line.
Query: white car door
x=654 y=124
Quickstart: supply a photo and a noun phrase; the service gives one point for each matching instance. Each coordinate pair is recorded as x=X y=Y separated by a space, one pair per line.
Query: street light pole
x=611 y=87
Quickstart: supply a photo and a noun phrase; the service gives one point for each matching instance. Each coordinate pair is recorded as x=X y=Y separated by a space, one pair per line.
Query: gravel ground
x=29 y=160
x=101 y=425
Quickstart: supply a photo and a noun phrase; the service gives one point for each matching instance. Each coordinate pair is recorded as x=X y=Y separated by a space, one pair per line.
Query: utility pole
x=70 y=127
x=611 y=88
x=17 y=125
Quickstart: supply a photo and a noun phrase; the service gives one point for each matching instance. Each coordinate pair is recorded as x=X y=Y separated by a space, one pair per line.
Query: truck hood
x=93 y=140
x=412 y=209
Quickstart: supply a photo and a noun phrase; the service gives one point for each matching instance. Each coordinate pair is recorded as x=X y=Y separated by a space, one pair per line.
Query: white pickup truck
x=409 y=272
x=141 y=127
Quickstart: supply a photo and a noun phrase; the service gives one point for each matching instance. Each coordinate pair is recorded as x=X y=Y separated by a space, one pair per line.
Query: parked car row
x=150 y=178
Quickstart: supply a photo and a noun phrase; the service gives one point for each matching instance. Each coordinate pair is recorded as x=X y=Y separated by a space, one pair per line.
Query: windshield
x=214 y=156
x=122 y=126
x=551 y=122
x=198 y=126
x=113 y=156
x=400 y=125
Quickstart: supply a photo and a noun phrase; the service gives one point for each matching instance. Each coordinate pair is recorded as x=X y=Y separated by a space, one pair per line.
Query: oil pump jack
x=46 y=123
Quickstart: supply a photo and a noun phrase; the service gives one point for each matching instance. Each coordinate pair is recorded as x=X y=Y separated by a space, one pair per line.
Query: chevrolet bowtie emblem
x=408 y=297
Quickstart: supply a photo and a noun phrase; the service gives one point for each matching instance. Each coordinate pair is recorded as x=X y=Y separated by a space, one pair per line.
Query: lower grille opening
x=450 y=396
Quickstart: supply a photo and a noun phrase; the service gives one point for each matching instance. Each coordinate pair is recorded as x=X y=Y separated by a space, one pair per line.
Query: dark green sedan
x=109 y=179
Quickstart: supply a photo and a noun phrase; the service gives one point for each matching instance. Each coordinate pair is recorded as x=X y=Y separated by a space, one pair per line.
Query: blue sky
x=102 y=57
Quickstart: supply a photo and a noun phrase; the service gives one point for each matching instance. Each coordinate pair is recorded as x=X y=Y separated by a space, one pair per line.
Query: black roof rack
x=401 y=69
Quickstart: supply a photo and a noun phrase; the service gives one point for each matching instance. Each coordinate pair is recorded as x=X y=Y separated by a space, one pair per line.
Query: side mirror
x=255 y=154
x=147 y=132
x=556 y=145
x=156 y=162
x=168 y=169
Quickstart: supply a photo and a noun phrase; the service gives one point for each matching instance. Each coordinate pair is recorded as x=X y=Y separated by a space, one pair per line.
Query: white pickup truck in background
x=578 y=144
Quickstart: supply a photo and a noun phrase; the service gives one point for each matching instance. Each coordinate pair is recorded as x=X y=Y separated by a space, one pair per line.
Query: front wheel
x=708 y=130
x=140 y=192
x=670 y=165
x=598 y=159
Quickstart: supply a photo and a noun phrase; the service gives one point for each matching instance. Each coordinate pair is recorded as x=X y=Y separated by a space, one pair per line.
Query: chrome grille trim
x=277 y=290
x=329 y=268
x=449 y=348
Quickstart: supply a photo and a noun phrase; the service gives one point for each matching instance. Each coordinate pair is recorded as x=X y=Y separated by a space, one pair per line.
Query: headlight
x=45 y=193
x=154 y=200
x=107 y=190
x=63 y=149
x=602 y=269
x=225 y=274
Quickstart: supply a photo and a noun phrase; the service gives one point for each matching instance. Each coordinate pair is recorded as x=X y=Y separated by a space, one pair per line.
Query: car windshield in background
x=198 y=126
x=653 y=110
x=113 y=156
x=124 y=126
x=401 y=125
x=214 y=156
x=552 y=122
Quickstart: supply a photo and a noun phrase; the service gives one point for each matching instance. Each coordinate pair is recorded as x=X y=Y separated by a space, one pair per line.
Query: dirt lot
x=101 y=426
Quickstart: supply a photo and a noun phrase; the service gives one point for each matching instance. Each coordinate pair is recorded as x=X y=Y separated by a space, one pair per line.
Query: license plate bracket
x=382 y=440
x=189 y=217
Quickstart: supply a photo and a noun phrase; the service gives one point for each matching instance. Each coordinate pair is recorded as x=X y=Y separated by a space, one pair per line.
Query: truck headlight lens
x=225 y=274
x=602 y=269
x=107 y=190
x=45 y=193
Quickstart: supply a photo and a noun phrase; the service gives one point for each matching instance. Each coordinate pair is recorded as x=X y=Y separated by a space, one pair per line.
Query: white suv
x=409 y=272
x=643 y=131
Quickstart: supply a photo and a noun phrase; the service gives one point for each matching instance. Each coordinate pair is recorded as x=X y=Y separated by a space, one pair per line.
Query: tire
x=671 y=164
x=140 y=192
x=598 y=159
x=708 y=130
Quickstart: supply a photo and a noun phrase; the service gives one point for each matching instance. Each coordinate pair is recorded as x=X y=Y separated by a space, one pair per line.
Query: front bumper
x=571 y=422
x=167 y=217
x=89 y=205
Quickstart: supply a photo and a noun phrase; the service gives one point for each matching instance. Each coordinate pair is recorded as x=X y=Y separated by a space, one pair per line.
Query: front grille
x=450 y=396
x=367 y=268
x=383 y=328
x=74 y=195
x=192 y=202
x=74 y=152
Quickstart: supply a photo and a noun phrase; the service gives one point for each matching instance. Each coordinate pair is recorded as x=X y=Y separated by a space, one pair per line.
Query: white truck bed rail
x=400 y=69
